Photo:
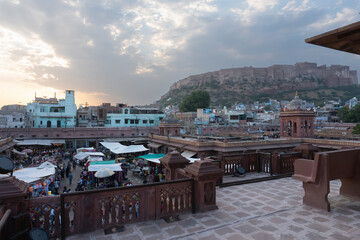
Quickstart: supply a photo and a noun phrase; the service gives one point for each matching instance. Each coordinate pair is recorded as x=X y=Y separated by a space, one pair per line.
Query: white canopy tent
x=116 y=167
x=83 y=155
x=46 y=165
x=118 y=148
x=42 y=142
x=188 y=155
x=30 y=175
x=90 y=149
x=19 y=153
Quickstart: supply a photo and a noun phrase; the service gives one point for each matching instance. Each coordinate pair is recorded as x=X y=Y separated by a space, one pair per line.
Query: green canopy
x=152 y=156
x=103 y=162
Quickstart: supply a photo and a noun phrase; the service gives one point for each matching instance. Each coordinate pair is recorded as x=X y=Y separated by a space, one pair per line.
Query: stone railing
x=81 y=212
x=287 y=162
x=40 y=209
x=265 y=162
x=248 y=161
x=261 y=162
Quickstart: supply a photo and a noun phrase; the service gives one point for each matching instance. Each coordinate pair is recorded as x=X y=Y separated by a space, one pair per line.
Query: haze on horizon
x=133 y=51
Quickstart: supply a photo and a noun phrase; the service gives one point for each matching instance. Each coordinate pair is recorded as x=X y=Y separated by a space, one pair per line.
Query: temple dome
x=296 y=104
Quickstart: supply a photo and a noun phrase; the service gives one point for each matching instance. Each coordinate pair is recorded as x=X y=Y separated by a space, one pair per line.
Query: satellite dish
x=6 y=165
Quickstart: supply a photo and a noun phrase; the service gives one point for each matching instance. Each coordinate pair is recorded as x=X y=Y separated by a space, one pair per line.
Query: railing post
x=193 y=207
x=270 y=165
x=204 y=174
x=281 y=164
x=62 y=208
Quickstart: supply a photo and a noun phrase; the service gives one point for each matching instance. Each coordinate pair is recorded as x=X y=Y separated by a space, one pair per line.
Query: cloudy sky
x=133 y=51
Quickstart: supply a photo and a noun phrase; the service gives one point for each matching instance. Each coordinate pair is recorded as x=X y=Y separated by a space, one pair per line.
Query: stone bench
x=316 y=175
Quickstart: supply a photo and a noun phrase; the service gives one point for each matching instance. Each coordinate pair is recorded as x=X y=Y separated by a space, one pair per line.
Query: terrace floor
x=265 y=210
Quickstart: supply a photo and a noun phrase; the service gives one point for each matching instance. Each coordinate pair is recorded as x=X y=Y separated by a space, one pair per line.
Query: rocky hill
x=229 y=86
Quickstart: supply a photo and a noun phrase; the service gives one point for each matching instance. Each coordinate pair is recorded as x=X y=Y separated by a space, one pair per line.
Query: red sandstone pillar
x=171 y=162
x=205 y=173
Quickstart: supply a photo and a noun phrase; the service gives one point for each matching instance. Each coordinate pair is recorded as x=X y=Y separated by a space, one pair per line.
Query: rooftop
x=264 y=210
x=343 y=39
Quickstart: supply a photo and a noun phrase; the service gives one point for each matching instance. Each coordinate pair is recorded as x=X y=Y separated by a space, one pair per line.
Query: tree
x=356 y=129
x=196 y=99
x=349 y=115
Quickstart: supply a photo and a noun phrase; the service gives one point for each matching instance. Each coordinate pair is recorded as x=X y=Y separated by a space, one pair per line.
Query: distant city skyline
x=132 y=51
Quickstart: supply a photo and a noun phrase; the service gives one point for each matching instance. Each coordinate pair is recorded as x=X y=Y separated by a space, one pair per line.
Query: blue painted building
x=134 y=117
x=53 y=112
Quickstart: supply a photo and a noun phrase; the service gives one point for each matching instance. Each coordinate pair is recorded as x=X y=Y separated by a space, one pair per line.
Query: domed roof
x=296 y=104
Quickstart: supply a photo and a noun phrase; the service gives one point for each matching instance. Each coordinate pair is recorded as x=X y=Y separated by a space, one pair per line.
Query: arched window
x=126 y=111
x=48 y=124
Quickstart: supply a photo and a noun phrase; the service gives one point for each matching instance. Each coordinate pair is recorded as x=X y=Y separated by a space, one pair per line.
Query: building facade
x=12 y=120
x=134 y=117
x=296 y=120
x=53 y=112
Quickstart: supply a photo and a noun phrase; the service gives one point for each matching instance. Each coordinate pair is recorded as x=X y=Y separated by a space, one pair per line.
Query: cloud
x=132 y=51
x=342 y=17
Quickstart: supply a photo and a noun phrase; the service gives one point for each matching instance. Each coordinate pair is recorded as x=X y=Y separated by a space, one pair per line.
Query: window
x=132 y=121
x=48 y=124
x=14 y=119
x=151 y=121
x=160 y=118
x=126 y=121
x=30 y=110
x=117 y=121
x=144 y=121
x=42 y=109
x=126 y=111
x=21 y=119
x=58 y=123
x=41 y=122
x=15 y=126
x=137 y=121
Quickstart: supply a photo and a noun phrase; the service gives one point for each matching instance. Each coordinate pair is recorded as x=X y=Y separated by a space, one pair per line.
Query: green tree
x=349 y=115
x=356 y=129
x=196 y=99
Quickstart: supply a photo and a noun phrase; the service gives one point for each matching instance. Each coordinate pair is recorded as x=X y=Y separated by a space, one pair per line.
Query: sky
x=132 y=51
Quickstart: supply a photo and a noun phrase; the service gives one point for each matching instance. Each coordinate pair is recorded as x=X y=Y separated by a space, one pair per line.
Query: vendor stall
x=118 y=148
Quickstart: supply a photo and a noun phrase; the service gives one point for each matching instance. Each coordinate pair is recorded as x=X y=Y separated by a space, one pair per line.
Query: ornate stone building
x=296 y=120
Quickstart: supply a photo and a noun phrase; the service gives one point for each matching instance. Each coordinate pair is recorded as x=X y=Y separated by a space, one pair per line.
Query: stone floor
x=247 y=176
x=259 y=211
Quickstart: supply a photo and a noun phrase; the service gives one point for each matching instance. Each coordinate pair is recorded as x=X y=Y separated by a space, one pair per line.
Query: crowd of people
x=73 y=175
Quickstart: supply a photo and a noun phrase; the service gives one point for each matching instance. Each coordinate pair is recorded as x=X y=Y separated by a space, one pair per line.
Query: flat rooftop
x=259 y=211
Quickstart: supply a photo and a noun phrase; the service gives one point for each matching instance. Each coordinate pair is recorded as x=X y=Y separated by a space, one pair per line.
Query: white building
x=12 y=120
x=53 y=112
x=134 y=117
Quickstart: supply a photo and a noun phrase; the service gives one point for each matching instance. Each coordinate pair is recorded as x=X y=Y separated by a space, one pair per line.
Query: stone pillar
x=171 y=162
x=307 y=150
x=13 y=193
x=205 y=173
x=275 y=163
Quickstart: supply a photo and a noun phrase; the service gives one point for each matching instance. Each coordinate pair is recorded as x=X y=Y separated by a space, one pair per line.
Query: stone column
x=205 y=173
x=171 y=162
x=275 y=162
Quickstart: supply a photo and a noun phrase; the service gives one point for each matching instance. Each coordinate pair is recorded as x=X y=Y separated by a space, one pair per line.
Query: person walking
x=67 y=171
x=56 y=186
x=62 y=173
x=70 y=178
